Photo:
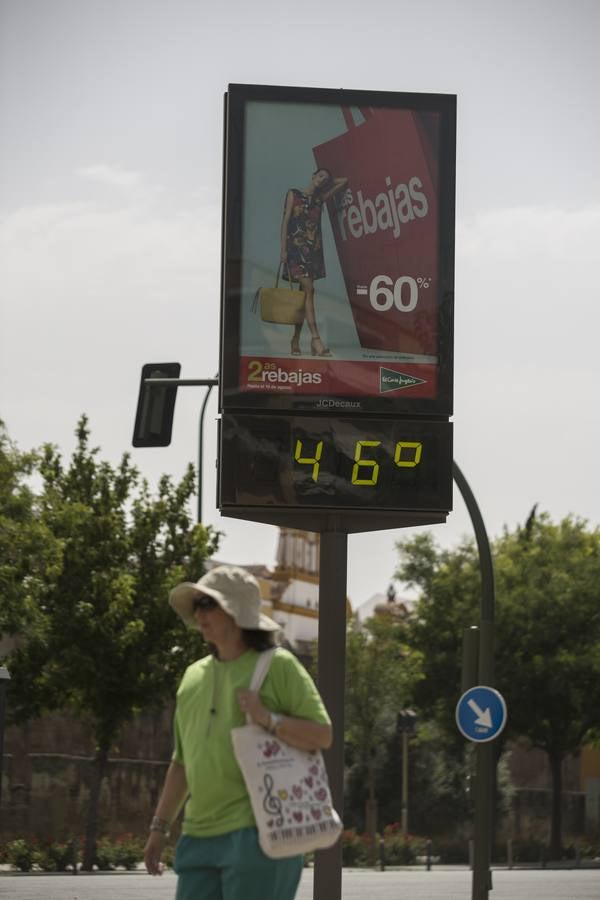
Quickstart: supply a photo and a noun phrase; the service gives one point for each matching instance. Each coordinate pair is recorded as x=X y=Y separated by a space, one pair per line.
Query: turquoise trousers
x=233 y=867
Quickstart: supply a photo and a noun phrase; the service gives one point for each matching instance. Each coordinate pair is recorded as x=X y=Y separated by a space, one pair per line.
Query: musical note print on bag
x=271 y=804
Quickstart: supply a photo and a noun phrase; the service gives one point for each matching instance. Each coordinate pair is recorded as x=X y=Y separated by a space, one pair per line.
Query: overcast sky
x=110 y=175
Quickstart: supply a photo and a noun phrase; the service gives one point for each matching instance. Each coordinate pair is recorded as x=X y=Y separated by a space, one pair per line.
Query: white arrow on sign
x=483 y=718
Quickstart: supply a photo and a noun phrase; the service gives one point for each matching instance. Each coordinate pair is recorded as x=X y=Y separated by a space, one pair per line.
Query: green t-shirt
x=218 y=801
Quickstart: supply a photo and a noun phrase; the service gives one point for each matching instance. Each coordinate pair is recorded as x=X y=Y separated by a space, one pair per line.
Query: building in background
x=383 y=603
x=290 y=591
x=296 y=587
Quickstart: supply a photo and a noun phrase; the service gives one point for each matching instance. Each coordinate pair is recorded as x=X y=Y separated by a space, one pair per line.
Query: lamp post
x=484 y=779
x=209 y=386
x=4 y=679
x=407 y=720
x=156 y=406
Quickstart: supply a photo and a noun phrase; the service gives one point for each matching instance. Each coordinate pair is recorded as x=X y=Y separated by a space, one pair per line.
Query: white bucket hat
x=235 y=590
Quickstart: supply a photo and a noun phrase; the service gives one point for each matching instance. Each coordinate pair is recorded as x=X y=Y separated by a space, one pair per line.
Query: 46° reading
x=407 y=455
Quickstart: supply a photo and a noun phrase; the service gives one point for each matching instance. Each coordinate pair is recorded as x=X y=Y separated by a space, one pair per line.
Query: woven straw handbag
x=282 y=305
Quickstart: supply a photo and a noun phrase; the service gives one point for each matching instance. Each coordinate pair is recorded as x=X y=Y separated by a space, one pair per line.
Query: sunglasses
x=204 y=603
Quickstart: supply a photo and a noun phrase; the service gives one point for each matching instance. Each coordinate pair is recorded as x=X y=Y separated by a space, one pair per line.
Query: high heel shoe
x=315 y=343
x=295 y=348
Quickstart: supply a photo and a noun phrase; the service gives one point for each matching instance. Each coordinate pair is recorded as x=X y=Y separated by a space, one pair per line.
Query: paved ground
x=358 y=884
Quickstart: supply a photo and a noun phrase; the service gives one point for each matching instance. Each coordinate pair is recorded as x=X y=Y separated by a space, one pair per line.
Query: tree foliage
x=97 y=634
x=29 y=553
x=379 y=667
x=547 y=632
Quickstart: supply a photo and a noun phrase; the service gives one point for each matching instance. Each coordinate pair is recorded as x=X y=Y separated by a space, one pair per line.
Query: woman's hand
x=153 y=852
x=301 y=733
x=336 y=185
x=250 y=703
x=171 y=800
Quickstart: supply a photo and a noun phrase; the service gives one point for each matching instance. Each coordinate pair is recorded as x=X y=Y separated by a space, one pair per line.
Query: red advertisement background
x=400 y=146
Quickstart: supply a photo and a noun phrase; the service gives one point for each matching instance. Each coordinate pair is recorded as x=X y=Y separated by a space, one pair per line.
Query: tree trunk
x=91 y=829
x=371 y=815
x=556 y=826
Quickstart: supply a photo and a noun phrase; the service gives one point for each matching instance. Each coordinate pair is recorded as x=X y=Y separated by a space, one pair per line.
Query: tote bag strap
x=260 y=671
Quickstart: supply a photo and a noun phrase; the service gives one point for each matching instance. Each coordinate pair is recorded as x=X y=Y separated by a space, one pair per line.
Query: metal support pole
x=181 y=382
x=191 y=382
x=332 y=669
x=405 y=783
x=200 y=448
x=4 y=679
x=469 y=658
x=484 y=779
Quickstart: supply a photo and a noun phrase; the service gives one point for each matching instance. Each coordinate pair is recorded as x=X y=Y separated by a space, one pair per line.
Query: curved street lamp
x=484 y=778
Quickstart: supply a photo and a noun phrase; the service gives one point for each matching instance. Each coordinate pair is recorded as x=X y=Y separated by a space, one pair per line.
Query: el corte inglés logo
x=396 y=381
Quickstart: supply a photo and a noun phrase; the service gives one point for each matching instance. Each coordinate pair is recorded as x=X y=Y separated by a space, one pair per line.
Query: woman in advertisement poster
x=302 y=247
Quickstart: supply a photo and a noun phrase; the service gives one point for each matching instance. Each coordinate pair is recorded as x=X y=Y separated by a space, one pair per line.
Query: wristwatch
x=275 y=720
x=161 y=825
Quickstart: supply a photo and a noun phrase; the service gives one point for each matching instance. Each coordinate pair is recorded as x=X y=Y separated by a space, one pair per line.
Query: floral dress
x=304 y=240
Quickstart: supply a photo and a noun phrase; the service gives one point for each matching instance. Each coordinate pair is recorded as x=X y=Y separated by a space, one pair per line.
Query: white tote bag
x=288 y=788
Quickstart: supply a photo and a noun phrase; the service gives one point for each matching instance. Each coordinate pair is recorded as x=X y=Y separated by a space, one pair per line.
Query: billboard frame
x=231 y=397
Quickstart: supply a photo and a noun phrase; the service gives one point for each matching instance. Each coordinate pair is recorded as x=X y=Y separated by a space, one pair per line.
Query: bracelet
x=275 y=720
x=161 y=825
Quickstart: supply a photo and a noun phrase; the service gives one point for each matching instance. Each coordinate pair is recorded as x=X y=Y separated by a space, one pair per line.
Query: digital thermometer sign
x=336 y=418
x=312 y=463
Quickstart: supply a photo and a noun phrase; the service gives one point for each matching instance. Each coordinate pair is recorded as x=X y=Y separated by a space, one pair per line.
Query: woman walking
x=218 y=856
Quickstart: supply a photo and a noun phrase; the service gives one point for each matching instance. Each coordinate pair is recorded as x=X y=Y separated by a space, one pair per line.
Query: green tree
x=547 y=633
x=378 y=668
x=549 y=625
x=106 y=643
x=29 y=553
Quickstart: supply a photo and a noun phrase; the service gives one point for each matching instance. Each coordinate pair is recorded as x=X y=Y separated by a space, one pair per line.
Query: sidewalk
x=451 y=883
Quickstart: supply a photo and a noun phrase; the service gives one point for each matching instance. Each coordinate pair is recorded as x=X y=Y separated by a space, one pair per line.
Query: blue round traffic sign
x=481 y=714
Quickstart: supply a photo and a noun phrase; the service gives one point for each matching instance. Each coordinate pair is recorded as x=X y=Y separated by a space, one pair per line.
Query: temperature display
x=335 y=462
x=363 y=464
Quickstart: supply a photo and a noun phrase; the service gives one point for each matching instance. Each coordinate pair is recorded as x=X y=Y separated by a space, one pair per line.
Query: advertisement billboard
x=338 y=261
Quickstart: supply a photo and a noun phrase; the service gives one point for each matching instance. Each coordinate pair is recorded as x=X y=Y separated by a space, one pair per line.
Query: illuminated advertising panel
x=338 y=251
